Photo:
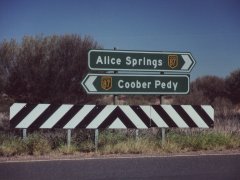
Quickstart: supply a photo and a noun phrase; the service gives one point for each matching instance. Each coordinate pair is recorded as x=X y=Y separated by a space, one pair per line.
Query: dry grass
x=67 y=150
x=121 y=142
x=132 y=146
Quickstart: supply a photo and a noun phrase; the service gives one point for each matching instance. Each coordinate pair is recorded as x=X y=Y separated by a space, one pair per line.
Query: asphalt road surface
x=219 y=167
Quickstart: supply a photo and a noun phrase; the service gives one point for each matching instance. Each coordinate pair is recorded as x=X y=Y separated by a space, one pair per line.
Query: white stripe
x=157 y=119
x=79 y=117
x=56 y=116
x=194 y=116
x=101 y=117
x=175 y=116
x=117 y=124
x=32 y=116
x=147 y=110
x=15 y=108
x=133 y=117
x=209 y=110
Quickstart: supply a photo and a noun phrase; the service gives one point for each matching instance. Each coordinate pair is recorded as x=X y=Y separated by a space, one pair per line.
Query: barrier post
x=68 y=138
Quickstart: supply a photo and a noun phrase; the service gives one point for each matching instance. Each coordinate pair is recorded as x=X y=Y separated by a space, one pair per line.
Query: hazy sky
x=209 y=29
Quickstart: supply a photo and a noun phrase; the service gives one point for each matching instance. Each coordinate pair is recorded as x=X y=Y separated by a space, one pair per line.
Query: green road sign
x=140 y=61
x=135 y=84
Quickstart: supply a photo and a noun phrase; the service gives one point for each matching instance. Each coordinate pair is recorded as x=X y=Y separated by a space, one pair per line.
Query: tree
x=233 y=86
x=203 y=90
x=8 y=51
x=195 y=97
x=50 y=69
x=211 y=86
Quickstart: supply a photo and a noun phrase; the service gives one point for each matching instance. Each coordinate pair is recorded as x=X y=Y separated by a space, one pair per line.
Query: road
x=219 y=167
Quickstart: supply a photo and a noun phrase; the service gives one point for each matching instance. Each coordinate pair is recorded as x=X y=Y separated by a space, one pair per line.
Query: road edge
x=95 y=156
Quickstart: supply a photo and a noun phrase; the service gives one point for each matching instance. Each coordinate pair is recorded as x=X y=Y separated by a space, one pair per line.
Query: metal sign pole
x=68 y=138
x=137 y=134
x=96 y=139
x=162 y=129
x=24 y=133
x=114 y=96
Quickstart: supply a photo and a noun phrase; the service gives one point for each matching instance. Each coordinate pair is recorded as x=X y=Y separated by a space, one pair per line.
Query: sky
x=209 y=29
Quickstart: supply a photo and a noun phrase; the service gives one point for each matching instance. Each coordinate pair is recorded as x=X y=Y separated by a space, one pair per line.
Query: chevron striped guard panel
x=68 y=116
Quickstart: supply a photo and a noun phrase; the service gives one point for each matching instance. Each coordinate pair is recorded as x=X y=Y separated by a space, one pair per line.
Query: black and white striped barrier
x=68 y=116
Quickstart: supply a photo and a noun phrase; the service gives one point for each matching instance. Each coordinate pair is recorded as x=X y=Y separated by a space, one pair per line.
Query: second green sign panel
x=136 y=84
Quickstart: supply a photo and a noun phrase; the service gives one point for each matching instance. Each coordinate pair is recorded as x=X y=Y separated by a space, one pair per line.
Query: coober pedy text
x=157 y=84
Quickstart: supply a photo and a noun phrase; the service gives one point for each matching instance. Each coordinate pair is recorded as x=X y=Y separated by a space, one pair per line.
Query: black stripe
x=167 y=119
x=187 y=119
x=201 y=112
x=142 y=115
x=43 y=117
x=117 y=113
x=68 y=116
x=89 y=118
x=21 y=115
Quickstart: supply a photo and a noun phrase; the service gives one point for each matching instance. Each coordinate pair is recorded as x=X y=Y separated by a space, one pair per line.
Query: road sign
x=140 y=61
x=71 y=116
x=136 y=84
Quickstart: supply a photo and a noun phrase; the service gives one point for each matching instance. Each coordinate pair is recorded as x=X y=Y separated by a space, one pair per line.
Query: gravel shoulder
x=93 y=155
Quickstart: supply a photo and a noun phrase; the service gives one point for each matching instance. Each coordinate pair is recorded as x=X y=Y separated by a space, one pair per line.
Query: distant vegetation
x=49 y=69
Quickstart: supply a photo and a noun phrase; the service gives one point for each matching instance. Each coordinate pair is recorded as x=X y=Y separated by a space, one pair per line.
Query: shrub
x=206 y=140
x=233 y=86
x=211 y=86
x=55 y=137
x=111 y=137
x=37 y=145
x=4 y=121
x=67 y=150
x=132 y=146
x=86 y=146
x=11 y=145
x=196 y=97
